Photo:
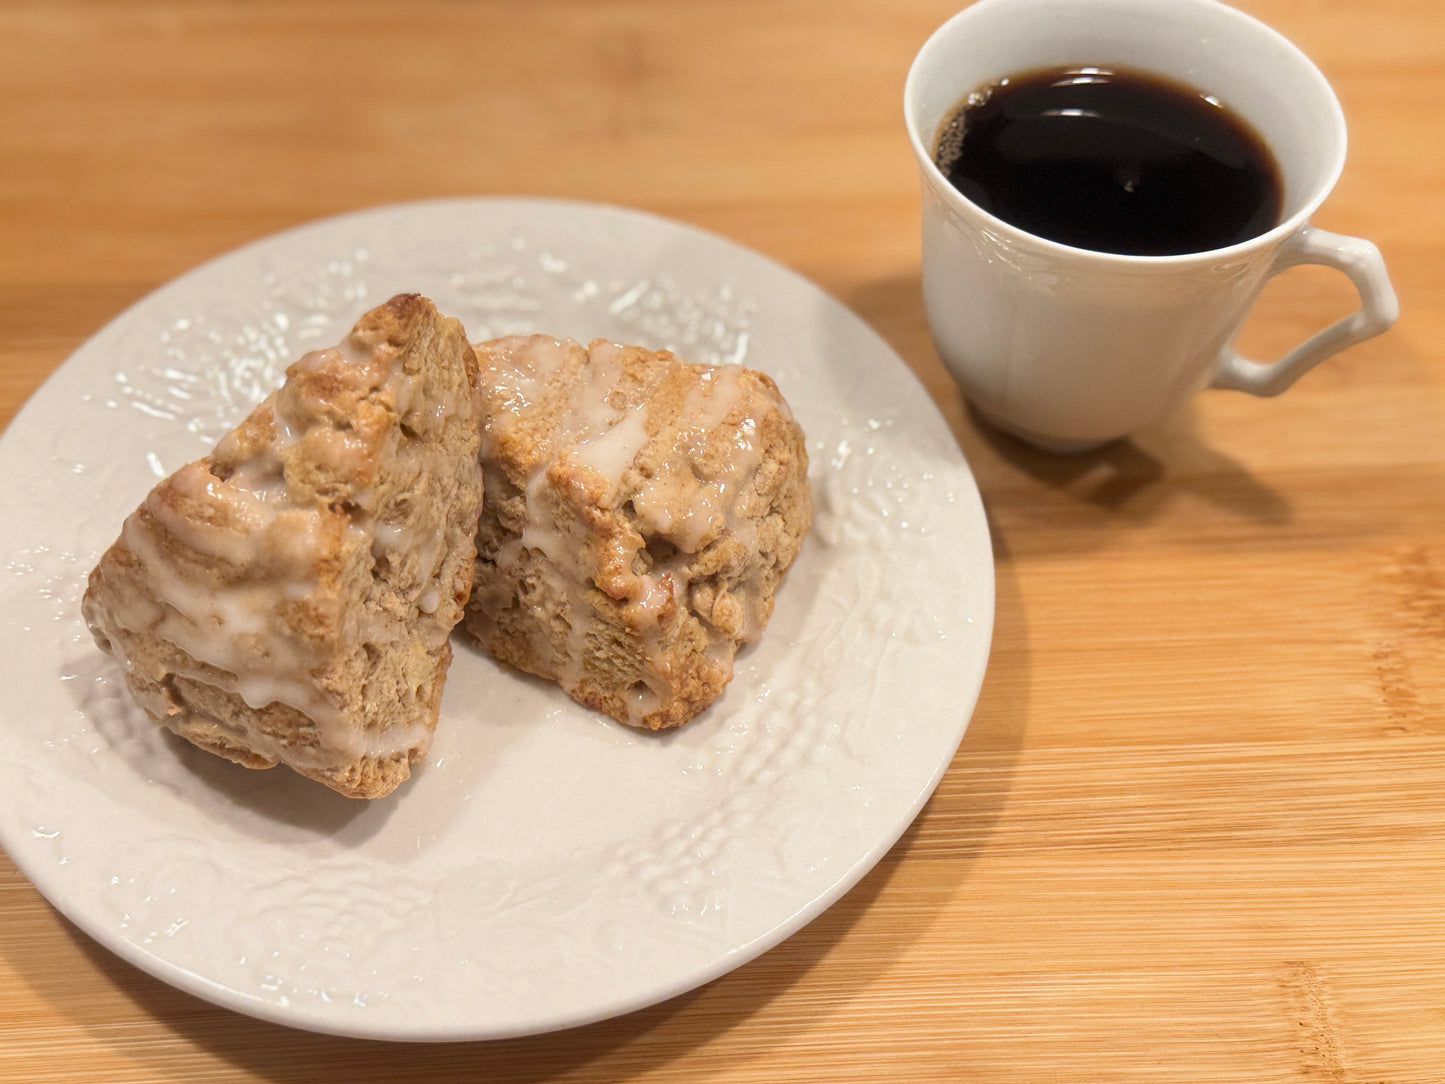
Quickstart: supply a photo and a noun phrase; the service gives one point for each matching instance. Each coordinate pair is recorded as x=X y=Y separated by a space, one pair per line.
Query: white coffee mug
x=1070 y=348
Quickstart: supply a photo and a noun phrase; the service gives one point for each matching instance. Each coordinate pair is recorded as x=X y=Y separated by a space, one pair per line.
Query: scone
x=640 y=513
x=288 y=599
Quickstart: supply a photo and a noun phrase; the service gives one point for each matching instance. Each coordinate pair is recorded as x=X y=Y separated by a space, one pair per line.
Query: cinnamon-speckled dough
x=288 y=598
x=640 y=512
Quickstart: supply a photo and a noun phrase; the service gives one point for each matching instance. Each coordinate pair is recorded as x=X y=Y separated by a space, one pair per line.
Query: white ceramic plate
x=545 y=867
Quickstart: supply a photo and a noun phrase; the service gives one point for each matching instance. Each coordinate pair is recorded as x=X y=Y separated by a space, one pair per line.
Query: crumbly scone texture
x=640 y=513
x=288 y=599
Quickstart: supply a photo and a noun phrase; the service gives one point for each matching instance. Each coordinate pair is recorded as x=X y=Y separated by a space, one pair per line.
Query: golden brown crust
x=288 y=598
x=640 y=513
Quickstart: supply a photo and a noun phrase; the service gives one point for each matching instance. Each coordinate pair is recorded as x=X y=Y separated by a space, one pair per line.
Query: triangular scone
x=640 y=512
x=288 y=599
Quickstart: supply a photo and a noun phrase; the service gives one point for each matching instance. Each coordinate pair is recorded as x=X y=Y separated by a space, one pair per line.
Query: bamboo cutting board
x=1195 y=831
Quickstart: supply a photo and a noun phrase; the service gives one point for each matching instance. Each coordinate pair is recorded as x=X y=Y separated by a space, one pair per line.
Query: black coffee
x=1111 y=160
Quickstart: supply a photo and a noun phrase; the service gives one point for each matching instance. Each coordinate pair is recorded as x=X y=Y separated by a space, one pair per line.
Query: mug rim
x=958 y=202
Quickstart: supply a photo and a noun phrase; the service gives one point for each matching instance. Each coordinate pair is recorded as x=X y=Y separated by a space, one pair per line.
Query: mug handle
x=1378 y=309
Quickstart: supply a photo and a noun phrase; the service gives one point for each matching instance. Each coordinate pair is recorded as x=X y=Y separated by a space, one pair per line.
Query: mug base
x=1056 y=445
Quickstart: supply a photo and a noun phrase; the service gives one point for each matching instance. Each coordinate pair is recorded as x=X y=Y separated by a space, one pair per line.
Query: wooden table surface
x=1196 y=830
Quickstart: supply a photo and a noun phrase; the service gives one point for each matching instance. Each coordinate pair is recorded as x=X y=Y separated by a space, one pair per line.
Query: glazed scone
x=640 y=512
x=288 y=599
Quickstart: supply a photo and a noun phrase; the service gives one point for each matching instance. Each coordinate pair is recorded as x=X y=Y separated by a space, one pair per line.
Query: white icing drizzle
x=688 y=510
x=612 y=452
x=595 y=442
x=523 y=364
x=233 y=623
x=388 y=536
x=231 y=627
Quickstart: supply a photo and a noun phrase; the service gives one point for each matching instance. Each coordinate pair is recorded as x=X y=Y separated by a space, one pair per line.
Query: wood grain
x=1196 y=832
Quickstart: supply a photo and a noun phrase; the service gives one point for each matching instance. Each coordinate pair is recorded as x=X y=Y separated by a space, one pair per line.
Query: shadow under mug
x=1070 y=348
